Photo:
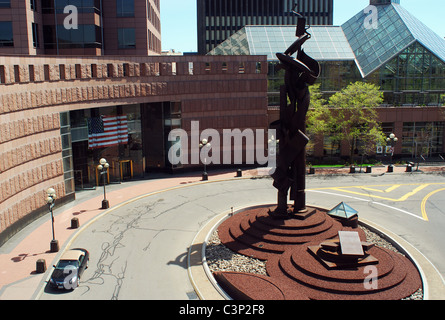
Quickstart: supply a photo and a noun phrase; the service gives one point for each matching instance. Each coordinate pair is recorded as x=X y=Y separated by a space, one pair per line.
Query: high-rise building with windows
x=80 y=27
x=219 y=19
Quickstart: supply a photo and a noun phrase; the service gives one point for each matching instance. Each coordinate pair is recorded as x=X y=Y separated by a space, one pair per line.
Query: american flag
x=107 y=131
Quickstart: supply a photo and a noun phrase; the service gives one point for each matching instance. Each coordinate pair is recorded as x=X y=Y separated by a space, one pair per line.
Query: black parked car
x=69 y=269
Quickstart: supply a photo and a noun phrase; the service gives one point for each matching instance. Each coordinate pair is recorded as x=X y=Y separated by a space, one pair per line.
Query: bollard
x=41 y=266
x=54 y=246
x=75 y=223
x=239 y=173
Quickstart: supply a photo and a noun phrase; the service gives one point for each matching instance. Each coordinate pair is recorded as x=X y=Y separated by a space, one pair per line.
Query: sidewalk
x=378 y=170
x=18 y=277
x=18 y=257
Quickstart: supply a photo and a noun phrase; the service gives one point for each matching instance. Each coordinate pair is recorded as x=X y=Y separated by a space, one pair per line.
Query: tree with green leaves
x=349 y=116
x=316 y=119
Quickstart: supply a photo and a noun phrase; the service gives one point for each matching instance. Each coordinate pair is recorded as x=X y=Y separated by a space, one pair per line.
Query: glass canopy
x=327 y=43
x=401 y=55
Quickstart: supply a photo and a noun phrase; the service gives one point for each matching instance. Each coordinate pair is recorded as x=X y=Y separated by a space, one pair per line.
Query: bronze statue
x=300 y=72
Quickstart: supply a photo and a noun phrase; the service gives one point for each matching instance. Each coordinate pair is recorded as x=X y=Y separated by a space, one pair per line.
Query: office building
x=80 y=27
x=219 y=19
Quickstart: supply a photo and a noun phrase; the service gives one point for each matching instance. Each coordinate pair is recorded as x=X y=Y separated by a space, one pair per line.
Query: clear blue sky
x=178 y=19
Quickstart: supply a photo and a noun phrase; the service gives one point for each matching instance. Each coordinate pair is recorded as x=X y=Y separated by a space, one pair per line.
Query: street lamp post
x=392 y=140
x=204 y=144
x=51 y=200
x=103 y=168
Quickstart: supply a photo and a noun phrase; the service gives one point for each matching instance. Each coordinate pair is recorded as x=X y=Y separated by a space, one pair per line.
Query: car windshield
x=67 y=263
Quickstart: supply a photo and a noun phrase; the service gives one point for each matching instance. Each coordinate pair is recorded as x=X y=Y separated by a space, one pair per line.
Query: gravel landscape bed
x=220 y=258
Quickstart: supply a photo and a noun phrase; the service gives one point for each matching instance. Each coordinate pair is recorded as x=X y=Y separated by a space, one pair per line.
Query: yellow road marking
x=359 y=193
x=409 y=194
x=403 y=198
x=381 y=185
x=390 y=189
x=424 y=201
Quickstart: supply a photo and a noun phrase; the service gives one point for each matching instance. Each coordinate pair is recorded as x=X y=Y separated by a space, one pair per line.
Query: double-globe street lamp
x=51 y=200
x=392 y=140
x=204 y=144
x=103 y=168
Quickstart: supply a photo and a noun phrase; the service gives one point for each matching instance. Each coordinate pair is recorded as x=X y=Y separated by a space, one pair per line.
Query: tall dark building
x=219 y=19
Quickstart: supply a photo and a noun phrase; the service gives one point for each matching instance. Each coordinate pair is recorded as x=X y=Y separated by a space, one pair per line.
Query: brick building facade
x=39 y=95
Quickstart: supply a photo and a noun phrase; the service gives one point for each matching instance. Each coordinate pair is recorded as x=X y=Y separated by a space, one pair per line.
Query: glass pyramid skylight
x=343 y=210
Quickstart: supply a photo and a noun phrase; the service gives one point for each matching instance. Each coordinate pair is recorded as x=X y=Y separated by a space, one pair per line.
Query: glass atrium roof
x=326 y=43
x=427 y=37
x=370 y=48
x=396 y=30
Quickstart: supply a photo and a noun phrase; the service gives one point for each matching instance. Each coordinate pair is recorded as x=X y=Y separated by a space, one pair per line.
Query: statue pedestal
x=290 y=213
x=303 y=215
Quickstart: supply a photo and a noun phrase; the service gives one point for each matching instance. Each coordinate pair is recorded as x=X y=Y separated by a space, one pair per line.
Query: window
x=86 y=36
x=83 y=6
x=126 y=38
x=35 y=35
x=242 y=67
x=6 y=37
x=49 y=37
x=5 y=3
x=67 y=152
x=422 y=138
x=125 y=8
x=258 y=67
x=331 y=147
x=47 y=6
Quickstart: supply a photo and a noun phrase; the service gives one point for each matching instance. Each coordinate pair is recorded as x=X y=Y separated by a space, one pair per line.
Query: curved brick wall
x=34 y=90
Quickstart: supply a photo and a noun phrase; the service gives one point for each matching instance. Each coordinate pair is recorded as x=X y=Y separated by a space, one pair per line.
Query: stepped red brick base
x=239 y=286
x=296 y=273
x=256 y=234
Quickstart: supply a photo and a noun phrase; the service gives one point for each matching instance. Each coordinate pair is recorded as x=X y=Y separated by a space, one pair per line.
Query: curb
x=199 y=274
x=432 y=281
x=207 y=288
